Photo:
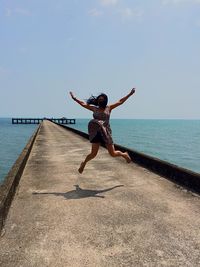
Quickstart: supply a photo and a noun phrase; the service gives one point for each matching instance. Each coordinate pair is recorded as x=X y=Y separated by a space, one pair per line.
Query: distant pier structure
x=39 y=120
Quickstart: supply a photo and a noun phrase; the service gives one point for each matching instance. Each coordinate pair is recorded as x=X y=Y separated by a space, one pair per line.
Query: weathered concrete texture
x=8 y=187
x=114 y=214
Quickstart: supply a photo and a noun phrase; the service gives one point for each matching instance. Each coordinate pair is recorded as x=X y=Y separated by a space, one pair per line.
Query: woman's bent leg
x=93 y=153
x=118 y=153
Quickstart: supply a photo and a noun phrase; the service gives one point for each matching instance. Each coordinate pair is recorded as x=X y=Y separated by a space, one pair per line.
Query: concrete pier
x=114 y=214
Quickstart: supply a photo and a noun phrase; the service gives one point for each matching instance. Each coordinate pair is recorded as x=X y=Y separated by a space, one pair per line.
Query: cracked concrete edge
x=11 y=181
x=181 y=176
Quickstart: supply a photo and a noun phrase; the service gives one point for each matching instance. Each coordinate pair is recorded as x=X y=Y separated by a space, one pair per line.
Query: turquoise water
x=13 y=139
x=175 y=141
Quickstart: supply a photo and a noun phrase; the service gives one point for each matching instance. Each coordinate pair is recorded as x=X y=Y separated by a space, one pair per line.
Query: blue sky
x=48 y=48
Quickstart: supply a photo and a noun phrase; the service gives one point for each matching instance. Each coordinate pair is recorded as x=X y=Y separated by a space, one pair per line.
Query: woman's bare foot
x=127 y=157
x=81 y=168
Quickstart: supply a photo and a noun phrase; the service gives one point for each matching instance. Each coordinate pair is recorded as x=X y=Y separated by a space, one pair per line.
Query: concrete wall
x=8 y=187
x=179 y=175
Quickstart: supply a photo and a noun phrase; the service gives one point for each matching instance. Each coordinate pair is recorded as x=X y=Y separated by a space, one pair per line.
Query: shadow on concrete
x=78 y=193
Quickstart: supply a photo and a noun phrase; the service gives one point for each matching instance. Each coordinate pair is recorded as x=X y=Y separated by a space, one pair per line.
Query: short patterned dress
x=99 y=128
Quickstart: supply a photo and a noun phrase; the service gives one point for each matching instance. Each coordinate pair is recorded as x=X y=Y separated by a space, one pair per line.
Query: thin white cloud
x=108 y=2
x=17 y=11
x=177 y=2
x=131 y=13
x=120 y=10
x=95 y=12
x=127 y=12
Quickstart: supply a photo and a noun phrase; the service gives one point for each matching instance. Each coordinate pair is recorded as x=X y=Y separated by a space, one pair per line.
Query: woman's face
x=101 y=101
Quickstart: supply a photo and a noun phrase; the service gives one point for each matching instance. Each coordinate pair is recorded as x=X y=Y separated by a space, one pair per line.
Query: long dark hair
x=94 y=100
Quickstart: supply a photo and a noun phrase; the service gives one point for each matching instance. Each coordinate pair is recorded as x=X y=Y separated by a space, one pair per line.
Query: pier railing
x=39 y=120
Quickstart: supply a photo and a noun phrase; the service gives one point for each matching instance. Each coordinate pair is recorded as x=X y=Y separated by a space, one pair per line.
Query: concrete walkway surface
x=114 y=214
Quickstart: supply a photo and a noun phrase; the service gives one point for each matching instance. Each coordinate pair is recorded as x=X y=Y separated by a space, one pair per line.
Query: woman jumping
x=99 y=128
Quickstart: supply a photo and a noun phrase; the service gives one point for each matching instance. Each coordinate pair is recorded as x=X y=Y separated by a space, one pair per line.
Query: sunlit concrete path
x=114 y=214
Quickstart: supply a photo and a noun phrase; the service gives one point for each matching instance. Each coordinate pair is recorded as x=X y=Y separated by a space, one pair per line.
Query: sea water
x=13 y=138
x=175 y=141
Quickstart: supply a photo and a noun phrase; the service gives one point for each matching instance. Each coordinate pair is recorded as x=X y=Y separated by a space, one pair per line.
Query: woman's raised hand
x=72 y=95
x=132 y=91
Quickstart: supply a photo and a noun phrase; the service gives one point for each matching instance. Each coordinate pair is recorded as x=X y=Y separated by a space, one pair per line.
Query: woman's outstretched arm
x=82 y=103
x=122 y=100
